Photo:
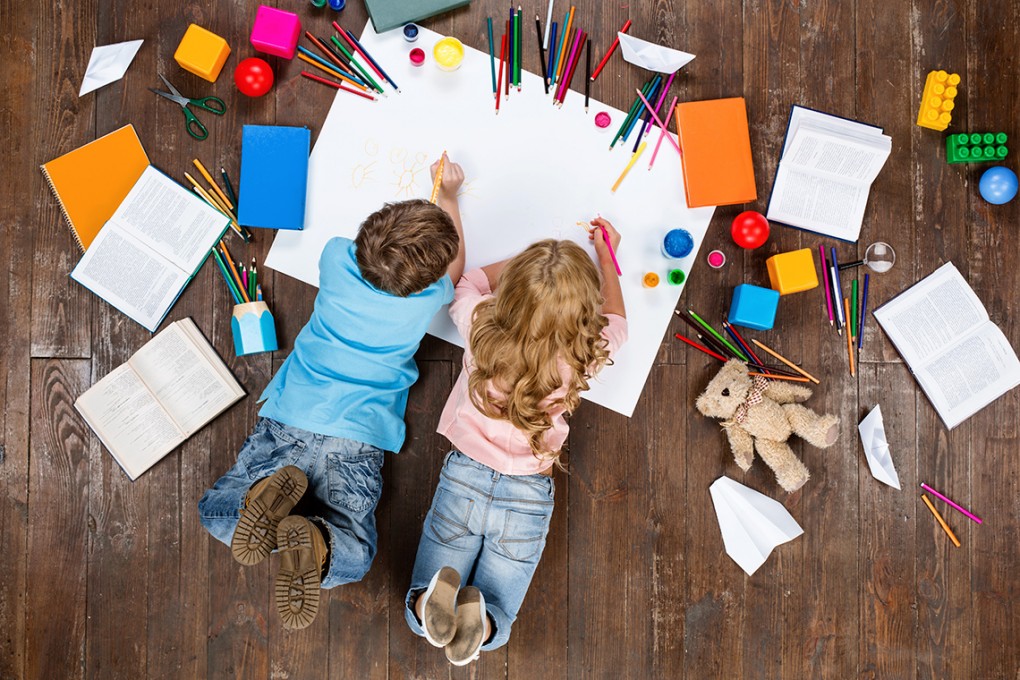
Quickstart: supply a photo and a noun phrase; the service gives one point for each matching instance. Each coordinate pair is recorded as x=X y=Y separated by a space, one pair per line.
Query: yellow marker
x=209 y=179
x=439 y=178
x=633 y=160
x=945 y=527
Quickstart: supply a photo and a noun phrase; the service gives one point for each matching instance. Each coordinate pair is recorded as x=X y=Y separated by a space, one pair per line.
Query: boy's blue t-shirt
x=353 y=362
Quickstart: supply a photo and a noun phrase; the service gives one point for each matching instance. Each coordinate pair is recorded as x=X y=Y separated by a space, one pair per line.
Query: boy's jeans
x=344 y=484
x=491 y=528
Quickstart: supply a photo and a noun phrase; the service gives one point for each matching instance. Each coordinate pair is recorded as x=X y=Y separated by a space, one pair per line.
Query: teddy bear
x=761 y=414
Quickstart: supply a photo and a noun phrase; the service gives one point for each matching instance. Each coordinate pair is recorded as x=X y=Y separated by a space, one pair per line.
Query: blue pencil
x=510 y=48
x=656 y=82
x=559 y=52
x=864 y=310
x=839 y=291
x=368 y=56
x=644 y=125
x=332 y=67
x=492 y=58
x=223 y=270
x=552 y=53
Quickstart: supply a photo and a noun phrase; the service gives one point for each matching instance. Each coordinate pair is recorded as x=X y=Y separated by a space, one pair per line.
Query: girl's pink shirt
x=492 y=442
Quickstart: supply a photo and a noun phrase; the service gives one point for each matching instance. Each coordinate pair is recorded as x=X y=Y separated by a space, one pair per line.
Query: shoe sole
x=467 y=643
x=439 y=620
x=299 y=580
x=255 y=535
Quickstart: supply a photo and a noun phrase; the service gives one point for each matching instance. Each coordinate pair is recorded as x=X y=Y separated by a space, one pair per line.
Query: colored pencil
x=770 y=376
x=587 y=75
x=942 y=522
x=552 y=56
x=322 y=47
x=492 y=57
x=244 y=278
x=252 y=280
x=212 y=199
x=701 y=348
x=204 y=195
x=704 y=324
x=439 y=178
x=358 y=67
x=733 y=336
x=309 y=57
x=502 y=56
x=952 y=504
x=612 y=48
x=365 y=55
x=786 y=361
x=541 y=52
x=704 y=336
x=659 y=101
x=562 y=60
x=647 y=115
x=350 y=70
x=509 y=55
x=548 y=21
x=825 y=281
x=630 y=114
x=339 y=86
x=560 y=42
x=517 y=48
x=658 y=121
x=569 y=75
x=639 y=114
x=228 y=185
x=837 y=291
x=864 y=313
x=743 y=343
x=561 y=89
x=849 y=342
x=233 y=270
x=663 y=133
x=520 y=46
x=853 y=310
x=258 y=292
x=208 y=178
x=633 y=159
x=612 y=254
x=234 y=293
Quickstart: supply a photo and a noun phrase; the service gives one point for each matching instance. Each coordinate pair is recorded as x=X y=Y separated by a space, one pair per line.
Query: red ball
x=750 y=229
x=253 y=77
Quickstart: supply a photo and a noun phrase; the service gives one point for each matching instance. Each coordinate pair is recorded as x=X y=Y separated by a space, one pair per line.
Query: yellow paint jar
x=650 y=280
x=448 y=53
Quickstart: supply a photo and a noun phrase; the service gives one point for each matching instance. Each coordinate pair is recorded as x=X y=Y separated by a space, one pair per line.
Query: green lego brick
x=976 y=147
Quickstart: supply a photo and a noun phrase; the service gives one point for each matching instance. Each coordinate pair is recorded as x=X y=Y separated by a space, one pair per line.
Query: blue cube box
x=754 y=307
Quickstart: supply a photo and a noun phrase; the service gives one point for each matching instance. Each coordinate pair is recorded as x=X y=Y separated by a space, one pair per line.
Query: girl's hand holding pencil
x=607 y=242
x=452 y=178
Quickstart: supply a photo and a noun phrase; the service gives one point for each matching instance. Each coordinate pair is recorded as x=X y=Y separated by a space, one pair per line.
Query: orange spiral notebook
x=91 y=181
x=716 y=155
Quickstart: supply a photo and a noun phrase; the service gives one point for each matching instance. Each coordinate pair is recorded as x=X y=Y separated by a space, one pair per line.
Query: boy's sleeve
x=472 y=288
x=615 y=333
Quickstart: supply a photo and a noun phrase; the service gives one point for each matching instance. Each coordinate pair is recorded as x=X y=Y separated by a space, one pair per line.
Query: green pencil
x=717 y=336
x=853 y=308
x=234 y=292
x=518 y=50
x=354 y=63
x=630 y=114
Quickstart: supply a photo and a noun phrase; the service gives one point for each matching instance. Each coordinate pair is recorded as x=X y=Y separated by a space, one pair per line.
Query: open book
x=825 y=173
x=145 y=255
x=167 y=391
x=961 y=359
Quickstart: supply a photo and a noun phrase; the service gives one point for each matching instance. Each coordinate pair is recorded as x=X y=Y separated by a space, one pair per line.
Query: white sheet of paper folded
x=876 y=448
x=651 y=56
x=108 y=64
x=752 y=524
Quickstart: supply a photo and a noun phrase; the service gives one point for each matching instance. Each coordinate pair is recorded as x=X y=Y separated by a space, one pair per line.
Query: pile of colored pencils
x=243 y=282
x=844 y=312
x=348 y=61
x=215 y=197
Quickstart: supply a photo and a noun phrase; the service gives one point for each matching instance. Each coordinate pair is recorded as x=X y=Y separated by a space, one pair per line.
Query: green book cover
x=389 y=14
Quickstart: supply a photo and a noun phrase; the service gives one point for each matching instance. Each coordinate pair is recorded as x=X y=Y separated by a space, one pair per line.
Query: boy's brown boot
x=267 y=502
x=302 y=556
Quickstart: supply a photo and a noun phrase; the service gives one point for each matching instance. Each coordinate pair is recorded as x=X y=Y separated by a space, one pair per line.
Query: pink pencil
x=825 y=283
x=662 y=134
x=658 y=121
x=933 y=492
x=605 y=237
x=561 y=90
x=662 y=98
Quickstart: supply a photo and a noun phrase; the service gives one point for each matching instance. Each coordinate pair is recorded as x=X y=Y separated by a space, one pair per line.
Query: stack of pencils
x=845 y=313
x=215 y=197
x=242 y=282
x=348 y=61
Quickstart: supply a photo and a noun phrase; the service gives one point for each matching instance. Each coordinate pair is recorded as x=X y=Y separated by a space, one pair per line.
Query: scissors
x=193 y=125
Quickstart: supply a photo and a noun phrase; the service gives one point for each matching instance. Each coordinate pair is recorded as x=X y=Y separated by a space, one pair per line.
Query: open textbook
x=825 y=173
x=167 y=391
x=960 y=358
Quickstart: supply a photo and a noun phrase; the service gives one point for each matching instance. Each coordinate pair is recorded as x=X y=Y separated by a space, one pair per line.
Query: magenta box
x=275 y=32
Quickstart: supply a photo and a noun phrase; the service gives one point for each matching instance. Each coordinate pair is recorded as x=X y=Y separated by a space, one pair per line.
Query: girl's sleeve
x=472 y=288
x=615 y=333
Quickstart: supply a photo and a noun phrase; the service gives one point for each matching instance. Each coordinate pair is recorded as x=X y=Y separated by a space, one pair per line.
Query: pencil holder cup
x=254 y=328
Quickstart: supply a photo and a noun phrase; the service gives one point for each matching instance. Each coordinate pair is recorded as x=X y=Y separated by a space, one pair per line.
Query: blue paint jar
x=411 y=32
x=677 y=244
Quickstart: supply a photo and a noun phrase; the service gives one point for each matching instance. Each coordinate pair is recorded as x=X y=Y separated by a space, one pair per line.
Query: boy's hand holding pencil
x=451 y=179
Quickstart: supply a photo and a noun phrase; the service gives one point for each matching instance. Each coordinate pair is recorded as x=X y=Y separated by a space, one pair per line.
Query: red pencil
x=357 y=48
x=575 y=57
x=329 y=53
x=338 y=86
x=502 y=56
x=612 y=49
x=701 y=347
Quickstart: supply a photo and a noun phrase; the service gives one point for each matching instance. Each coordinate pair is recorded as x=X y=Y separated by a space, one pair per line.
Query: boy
x=338 y=402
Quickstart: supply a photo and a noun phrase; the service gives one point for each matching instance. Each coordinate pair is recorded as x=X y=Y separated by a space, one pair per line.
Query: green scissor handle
x=193 y=125
x=211 y=104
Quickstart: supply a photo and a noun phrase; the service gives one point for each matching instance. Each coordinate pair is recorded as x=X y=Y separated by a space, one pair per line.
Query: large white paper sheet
x=531 y=173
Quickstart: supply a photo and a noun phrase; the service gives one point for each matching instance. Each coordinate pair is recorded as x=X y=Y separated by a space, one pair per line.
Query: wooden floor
x=104 y=578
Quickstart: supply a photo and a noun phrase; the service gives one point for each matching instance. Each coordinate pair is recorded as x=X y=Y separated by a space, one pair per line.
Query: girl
x=538 y=326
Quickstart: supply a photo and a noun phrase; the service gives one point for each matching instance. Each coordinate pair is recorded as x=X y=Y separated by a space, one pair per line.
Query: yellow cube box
x=202 y=52
x=792 y=272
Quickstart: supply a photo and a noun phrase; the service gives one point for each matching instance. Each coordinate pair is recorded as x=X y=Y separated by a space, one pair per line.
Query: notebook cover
x=274 y=176
x=716 y=148
x=91 y=181
x=389 y=14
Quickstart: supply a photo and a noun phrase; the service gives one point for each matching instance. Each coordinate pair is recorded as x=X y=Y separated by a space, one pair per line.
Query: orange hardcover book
x=91 y=181
x=716 y=149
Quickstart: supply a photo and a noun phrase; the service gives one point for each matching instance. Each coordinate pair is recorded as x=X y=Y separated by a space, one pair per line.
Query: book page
x=970 y=374
x=180 y=376
x=819 y=203
x=129 y=421
x=838 y=157
x=130 y=276
x=171 y=220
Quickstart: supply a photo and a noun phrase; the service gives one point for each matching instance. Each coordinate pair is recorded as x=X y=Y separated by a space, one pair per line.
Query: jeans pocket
x=523 y=535
x=355 y=479
x=450 y=516
x=267 y=449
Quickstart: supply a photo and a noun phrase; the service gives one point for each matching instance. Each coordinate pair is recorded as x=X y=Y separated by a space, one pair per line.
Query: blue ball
x=678 y=243
x=998 y=185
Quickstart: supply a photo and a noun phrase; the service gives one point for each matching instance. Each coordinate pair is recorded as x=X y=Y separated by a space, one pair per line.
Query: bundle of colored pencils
x=348 y=61
x=242 y=282
x=845 y=313
x=215 y=197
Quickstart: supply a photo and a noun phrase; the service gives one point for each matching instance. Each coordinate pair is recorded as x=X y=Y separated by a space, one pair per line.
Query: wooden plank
x=59 y=522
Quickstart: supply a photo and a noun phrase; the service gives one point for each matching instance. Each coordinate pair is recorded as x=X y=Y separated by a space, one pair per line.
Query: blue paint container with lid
x=411 y=32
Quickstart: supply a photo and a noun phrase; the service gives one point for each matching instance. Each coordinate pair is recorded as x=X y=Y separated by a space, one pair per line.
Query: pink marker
x=605 y=237
x=966 y=512
x=825 y=283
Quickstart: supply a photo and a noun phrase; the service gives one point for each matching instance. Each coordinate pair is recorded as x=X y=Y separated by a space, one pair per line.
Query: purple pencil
x=663 y=133
x=561 y=91
x=966 y=512
x=662 y=98
x=825 y=281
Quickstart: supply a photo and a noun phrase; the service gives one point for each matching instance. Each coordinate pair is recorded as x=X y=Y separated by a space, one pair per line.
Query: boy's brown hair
x=405 y=247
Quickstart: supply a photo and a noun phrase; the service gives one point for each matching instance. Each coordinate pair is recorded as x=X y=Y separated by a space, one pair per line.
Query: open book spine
x=60 y=202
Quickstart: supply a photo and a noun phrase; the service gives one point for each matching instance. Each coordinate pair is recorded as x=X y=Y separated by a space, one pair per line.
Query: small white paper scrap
x=752 y=524
x=108 y=64
x=651 y=56
x=876 y=448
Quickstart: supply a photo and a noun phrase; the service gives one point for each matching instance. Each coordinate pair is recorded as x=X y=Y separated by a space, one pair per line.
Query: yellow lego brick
x=202 y=52
x=940 y=89
x=792 y=272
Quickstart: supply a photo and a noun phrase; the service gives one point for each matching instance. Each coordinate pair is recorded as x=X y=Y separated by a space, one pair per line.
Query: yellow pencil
x=849 y=339
x=439 y=178
x=216 y=202
x=945 y=527
x=787 y=362
x=209 y=179
x=633 y=160
x=335 y=74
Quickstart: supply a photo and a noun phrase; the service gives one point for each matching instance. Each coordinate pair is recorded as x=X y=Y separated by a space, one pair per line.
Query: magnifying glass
x=879 y=258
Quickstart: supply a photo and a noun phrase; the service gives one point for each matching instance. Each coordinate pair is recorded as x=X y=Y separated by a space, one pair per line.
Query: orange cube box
x=202 y=52
x=792 y=272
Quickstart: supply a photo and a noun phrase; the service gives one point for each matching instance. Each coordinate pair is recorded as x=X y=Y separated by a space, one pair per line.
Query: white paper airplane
x=107 y=64
x=751 y=524
x=876 y=448
x=651 y=56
